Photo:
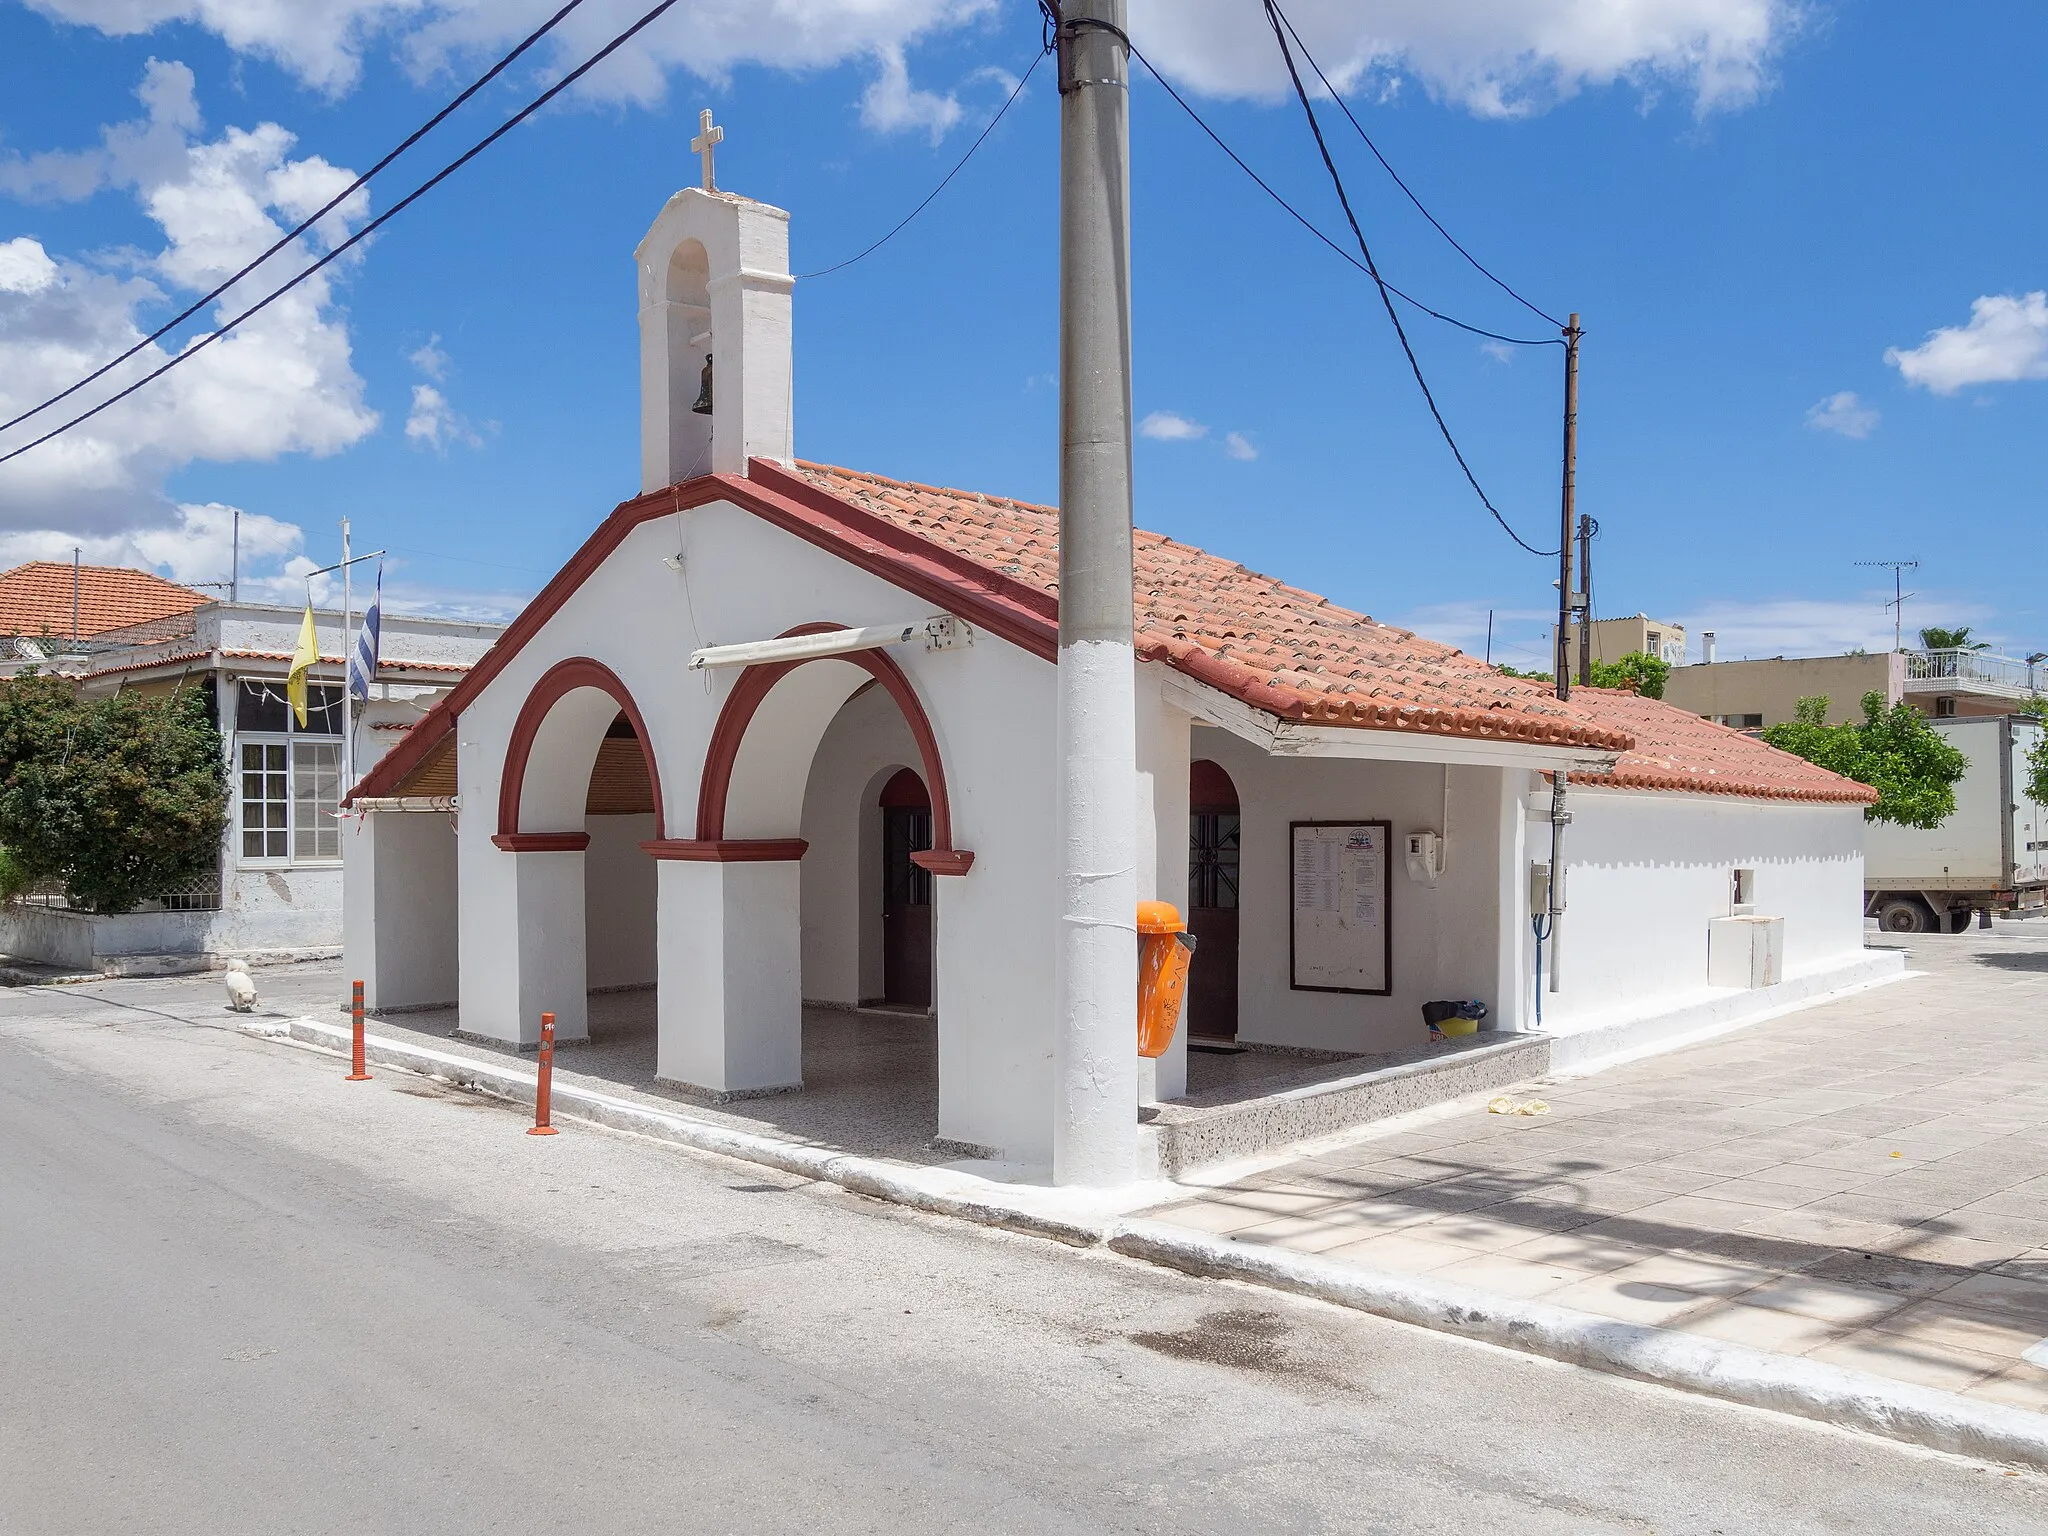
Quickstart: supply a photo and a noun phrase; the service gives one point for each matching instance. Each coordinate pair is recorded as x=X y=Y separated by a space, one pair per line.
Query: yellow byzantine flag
x=302 y=659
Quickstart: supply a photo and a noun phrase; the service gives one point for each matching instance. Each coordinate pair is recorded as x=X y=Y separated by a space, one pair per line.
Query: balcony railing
x=1955 y=671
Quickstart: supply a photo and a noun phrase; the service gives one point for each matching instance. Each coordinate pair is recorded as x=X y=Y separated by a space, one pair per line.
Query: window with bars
x=1212 y=859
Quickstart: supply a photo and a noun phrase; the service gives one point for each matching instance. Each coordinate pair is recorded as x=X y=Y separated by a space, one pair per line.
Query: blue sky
x=1753 y=202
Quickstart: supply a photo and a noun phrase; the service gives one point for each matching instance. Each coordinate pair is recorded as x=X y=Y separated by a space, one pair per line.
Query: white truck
x=1990 y=856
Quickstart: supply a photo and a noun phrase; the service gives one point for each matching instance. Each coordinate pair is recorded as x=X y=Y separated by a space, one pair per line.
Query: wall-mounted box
x=1745 y=951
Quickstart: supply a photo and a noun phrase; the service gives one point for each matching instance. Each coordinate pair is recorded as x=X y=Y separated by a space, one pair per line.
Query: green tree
x=1895 y=751
x=2037 y=756
x=120 y=798
x=1637 y=671
x=1934 y=638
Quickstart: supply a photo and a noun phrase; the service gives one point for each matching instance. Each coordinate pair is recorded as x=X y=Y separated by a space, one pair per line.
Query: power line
x=1477 y=265
x=1393 y=314
x=290 y=235
x=367 y=230
x=1306 y=223
x=960 y=166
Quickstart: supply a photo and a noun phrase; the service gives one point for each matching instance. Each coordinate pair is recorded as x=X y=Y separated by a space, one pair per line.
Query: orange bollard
x=1165 y=952
x=358 y=1071
x=544 y=1090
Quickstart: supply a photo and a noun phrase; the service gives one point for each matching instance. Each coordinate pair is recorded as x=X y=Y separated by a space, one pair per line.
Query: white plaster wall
x=1163 y=759
x=1446 y=938
x=401 y=866
x=991 y=708
x=1646 y=871
x=863 y=748
x=619 y=884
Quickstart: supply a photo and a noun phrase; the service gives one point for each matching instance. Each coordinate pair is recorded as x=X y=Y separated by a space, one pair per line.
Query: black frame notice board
x=1339 y=890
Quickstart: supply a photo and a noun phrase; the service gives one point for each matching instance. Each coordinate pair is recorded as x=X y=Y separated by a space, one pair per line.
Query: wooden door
x=1213 y=832
x=906 y=893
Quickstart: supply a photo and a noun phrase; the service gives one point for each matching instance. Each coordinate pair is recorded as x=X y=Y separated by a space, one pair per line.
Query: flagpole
x=348 y=702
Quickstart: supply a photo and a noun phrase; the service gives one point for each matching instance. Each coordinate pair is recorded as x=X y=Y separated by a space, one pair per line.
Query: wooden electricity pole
x=1587 y=528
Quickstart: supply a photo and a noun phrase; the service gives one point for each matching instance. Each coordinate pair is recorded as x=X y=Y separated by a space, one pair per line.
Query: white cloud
x=1238 y=446
x=433 y=422
x=1499 y=351
x=1167 y=427
x=25 y=267
x=891 y=105
x=282 y=383
x=1843 y=413
x=430 y=359
x=323 y=42
x=1811 y=627
x=2005 y=341
x=1495 y=58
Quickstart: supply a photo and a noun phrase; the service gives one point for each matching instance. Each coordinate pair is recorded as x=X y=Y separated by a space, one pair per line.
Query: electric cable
x=960 y=166
x=1477 y=265
x=1401 y=334
x=367 y=230
x=292 y=234
x=1308 y=224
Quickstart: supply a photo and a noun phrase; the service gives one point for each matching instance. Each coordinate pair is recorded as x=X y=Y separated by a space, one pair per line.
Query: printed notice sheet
x=1340 y=890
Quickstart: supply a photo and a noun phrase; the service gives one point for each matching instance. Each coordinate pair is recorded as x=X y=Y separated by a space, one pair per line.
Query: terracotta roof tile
x=1290 y=652
x=35 y=599
x=1680 y=751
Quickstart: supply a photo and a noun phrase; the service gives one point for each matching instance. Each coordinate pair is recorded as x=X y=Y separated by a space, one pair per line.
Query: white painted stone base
x=1596 y=1045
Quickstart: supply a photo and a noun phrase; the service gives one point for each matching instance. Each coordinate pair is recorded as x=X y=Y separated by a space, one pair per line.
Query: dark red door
x=1212 y=901
x=906 y=893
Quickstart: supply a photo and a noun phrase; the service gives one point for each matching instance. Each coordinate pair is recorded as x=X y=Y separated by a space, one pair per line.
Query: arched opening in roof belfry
x=687 y=295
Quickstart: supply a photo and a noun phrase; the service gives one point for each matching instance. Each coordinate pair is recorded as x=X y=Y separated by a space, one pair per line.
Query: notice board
x=1340 y=883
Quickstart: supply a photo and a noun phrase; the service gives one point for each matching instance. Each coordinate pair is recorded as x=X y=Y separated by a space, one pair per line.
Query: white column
x=552 y=965
x=731 y=977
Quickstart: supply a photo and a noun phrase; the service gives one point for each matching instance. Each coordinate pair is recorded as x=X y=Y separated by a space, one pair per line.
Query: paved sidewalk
x=1864 y=1183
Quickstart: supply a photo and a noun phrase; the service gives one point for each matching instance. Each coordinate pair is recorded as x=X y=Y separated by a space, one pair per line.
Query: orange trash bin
x=1165 y=951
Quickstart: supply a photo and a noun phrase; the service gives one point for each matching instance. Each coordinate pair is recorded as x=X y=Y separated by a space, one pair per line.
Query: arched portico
x=732 y=896
x=576 y=713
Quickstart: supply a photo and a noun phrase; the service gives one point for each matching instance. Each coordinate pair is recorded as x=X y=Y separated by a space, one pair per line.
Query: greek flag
x=362 y=662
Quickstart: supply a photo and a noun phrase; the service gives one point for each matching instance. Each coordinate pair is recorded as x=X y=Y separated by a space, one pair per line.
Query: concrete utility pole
x=1095 y=1051
x=1561 y=662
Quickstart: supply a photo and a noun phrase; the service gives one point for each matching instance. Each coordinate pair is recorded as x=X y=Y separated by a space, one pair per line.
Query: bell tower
x=715 y=296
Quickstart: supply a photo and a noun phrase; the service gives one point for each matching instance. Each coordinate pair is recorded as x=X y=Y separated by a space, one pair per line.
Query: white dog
x=241 y=990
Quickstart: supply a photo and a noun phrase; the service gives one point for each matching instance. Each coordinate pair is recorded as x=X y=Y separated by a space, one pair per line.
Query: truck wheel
x=1902 y=914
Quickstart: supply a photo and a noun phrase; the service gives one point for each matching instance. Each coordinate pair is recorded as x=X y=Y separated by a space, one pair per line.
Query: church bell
x=703 y=405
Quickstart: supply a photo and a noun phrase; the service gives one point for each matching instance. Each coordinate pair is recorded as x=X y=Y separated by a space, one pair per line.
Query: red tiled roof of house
x=35 y=599
x=1279 y=648
x=1679 y=751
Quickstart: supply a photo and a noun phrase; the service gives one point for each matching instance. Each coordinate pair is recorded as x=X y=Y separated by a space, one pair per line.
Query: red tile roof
x=1680 y=751
x=35 y=599
x=1289 y=652
x=1279 y=649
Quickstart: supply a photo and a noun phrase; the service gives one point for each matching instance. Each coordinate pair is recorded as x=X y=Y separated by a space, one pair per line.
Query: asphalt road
x=240 y=1295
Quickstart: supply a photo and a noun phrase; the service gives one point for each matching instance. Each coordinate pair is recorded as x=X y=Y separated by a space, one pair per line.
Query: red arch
x=754 y=683
x=562 y=678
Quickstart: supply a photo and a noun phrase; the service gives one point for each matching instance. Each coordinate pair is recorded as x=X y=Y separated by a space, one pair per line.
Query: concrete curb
x=939 y=1191
x=1733 y=1372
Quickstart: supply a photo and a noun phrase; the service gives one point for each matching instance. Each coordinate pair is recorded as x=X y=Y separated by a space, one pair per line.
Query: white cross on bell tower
x=707 y=138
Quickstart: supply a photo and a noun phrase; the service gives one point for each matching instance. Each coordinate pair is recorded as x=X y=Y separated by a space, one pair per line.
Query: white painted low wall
x=86 y=941
x=1647 y=872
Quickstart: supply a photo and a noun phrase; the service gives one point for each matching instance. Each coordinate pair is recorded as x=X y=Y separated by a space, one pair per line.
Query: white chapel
x=777 y=744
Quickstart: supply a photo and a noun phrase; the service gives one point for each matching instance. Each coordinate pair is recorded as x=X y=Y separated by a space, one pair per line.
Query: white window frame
x=291 y=744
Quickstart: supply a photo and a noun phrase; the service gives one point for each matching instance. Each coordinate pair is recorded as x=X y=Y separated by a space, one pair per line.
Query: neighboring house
x=844 y=818
x=46 y=607
x=277 y=890
x=1615 y=638
x=1940 y=684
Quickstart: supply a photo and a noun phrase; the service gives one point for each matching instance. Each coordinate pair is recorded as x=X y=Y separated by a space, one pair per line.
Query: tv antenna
x=1898 y=568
